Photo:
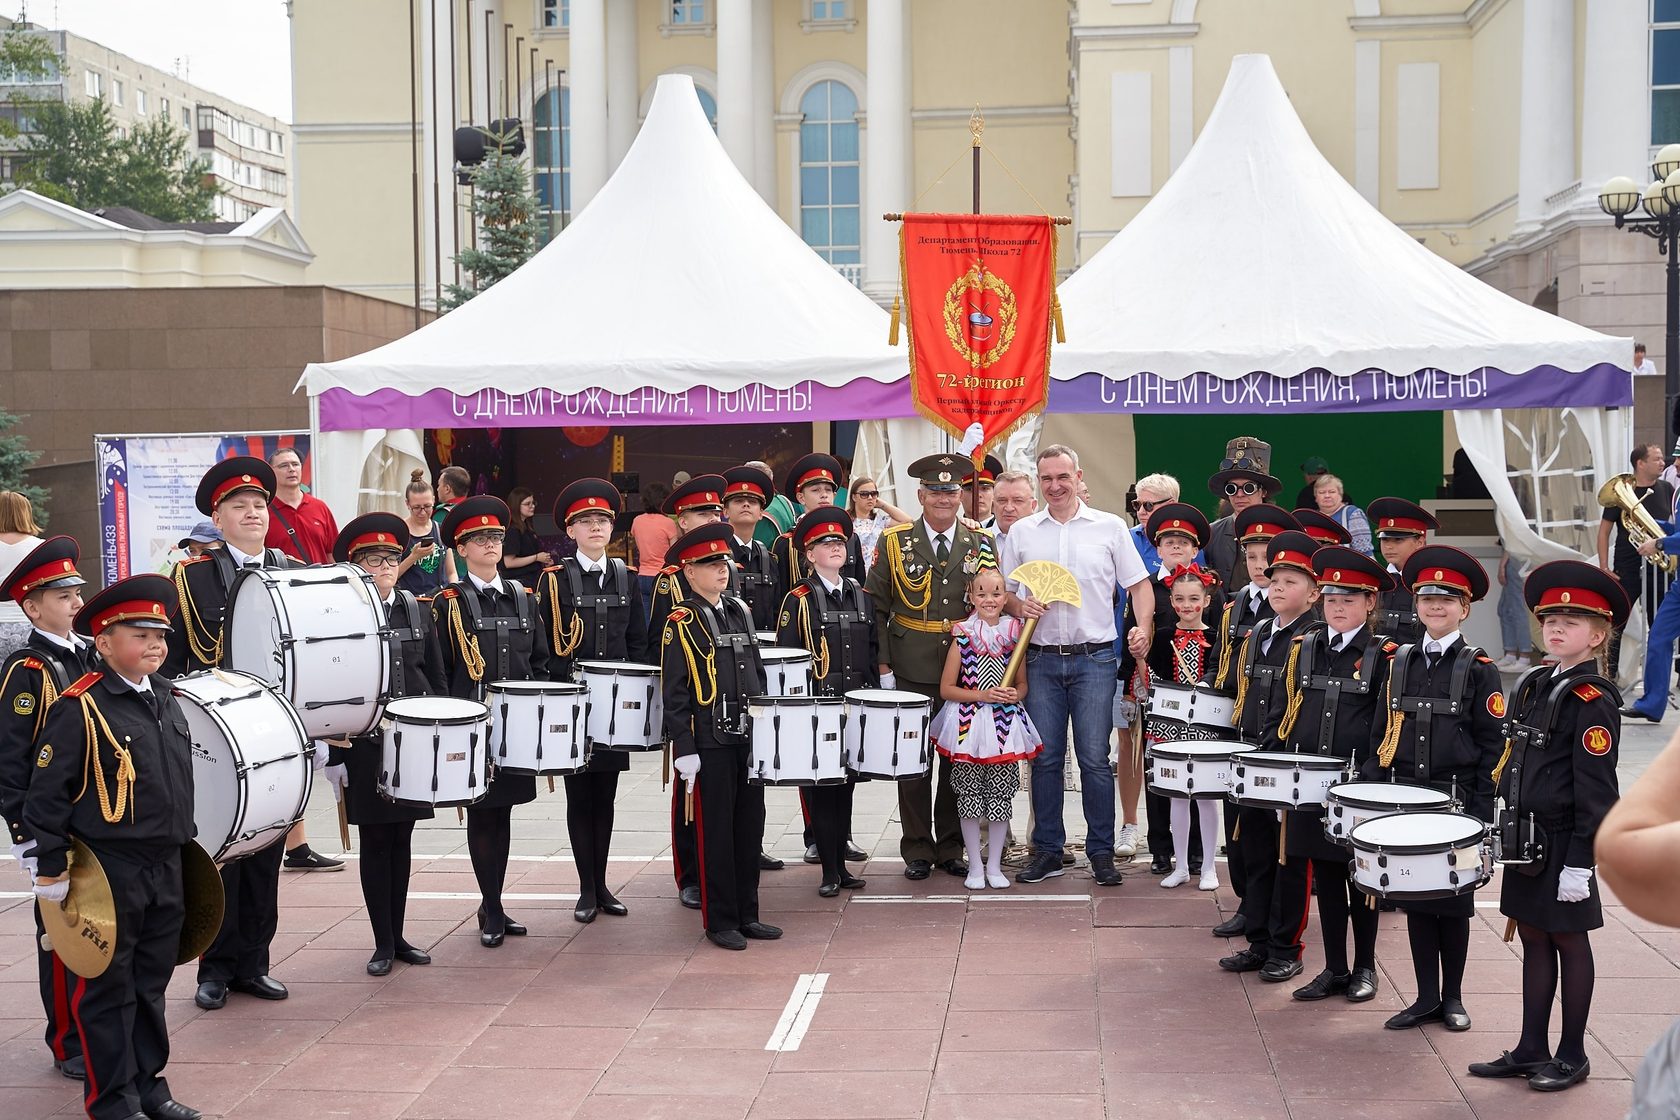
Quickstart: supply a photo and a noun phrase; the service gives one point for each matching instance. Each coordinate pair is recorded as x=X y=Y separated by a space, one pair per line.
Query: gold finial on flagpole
x=976 y=124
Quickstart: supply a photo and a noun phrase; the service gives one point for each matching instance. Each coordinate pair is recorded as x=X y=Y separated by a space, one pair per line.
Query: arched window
x=828 y=172
x=708 y=105
x=551 y=159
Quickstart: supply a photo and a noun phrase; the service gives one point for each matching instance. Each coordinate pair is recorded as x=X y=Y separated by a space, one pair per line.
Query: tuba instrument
x=1637 y=521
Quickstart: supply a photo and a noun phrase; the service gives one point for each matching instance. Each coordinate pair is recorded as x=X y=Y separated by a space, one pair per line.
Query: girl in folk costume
x=1186 y=654
x=1556 y=782
x=983 y=728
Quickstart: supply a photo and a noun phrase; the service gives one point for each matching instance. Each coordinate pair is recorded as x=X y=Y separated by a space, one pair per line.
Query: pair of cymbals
x=83 y=931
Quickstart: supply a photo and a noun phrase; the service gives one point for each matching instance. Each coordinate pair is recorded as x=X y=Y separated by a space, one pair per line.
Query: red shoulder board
x=678 y=614
x=1587 y=691
x=199 y=559
x=802 y=590
x=446 y=593
x=1484 y=659
x=1390 y=647
x=670 y=569
x=82 y=685
x=33 y=663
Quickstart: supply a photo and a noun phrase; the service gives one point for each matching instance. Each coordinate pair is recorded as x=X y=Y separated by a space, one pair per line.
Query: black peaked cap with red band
x=1348 y=569
x=825 y=523
x=475 y=515
x=371 y=530
x=989 y=470
x=815 y=467
x=748 y=482
x=229 y=477
x=1440 y=569
x=145 y=601
x=703 y=542
x=1291 y=549
x=1396 y=517
x=1324 y=530
x=1578 y=587
x=1262 y=523
x=587 y=495
x=1178 y=517
x=703 y=491
x=50 y=564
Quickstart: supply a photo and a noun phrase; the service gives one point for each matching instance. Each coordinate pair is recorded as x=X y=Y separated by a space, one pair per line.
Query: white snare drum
x=319 y=635
x=536 y=727
x=798 y=741
x=886 y=733
x=765 y=637
x=1354 y=803
x=787 y=671
x=252 y=763
x=436 y=751
x=626 y=708
x=1419 y=855
x=1286 y=780
x=1194 y=769
x=1196 y=704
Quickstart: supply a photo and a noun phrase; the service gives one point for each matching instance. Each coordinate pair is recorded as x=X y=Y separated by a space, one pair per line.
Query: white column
x=1615 y=99
x=764 y=100
x=886 y=145
x=588 y=79
x=735 y=82
x=624 y=92
x=1546 y=138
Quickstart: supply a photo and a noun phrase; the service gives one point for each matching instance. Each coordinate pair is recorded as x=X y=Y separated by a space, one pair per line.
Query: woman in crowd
x=653 y=533
x=523 y=559
x=1331 y=498
x=422 y=571
x=870 y=515
x=18 y=537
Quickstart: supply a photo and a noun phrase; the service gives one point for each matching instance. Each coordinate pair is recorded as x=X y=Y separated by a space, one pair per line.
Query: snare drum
x=886 y=733
x=1286 y=780
x=536 y=727
x=626 y=708
x=1354 y=803
x=1419 y=855
x=787 y=671
x=765 y=637
x=436 y=751
x=320 y=636
x=253 y=765
x=798 y=741
x=1193 y=769
x=1192 y=704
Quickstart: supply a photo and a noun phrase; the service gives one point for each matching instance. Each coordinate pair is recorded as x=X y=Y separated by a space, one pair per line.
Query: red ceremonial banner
x=980 y=297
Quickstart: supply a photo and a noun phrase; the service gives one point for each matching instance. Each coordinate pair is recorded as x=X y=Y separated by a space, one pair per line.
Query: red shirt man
x=299 y=524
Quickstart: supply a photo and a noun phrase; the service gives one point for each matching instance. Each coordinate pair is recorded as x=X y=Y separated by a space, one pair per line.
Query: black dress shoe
x=211 y=995
x=768 y=862
x=1277 y=971
x=1160 y=865
x=1230 y=927
x=408 y=954
x=727 y=939
x=1362 y=985
x=852 y=882
x=812 y=855
x=758 y=931
x=379 y=967
x=584 y=914
x=610 y=905
x=513 y=928
x=1454 y=1016
x=1631 y=712
x=689 y=897
x=855 y=854
x=1559 y=1075
x=263 y=987
x=74 y=1067
x=1322 y=986
x=1411 y=1017
x=1247 y=960
x=1507 y=1066
x=829 y=890
x=173 y=1110
x=957 y=867
x=490 y=940
x=918 y=869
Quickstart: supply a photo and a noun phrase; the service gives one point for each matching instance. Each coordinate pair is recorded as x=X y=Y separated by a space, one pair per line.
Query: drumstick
x=1510 y=929
x=1283 y=830
x=665 y=766
x=551 y=785
x=688 y=802
x=460 y=814
x=343 y=824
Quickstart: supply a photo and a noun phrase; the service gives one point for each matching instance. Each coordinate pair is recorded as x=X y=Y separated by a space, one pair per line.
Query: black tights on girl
x=589 y=824
x=1545 y=955
x=385 y=864
x=489 y=837
x=1440 y=946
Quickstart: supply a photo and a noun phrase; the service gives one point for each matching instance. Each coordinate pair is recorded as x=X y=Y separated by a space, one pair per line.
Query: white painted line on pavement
x=977 y=896
x=450 y=896
x=797 y=1015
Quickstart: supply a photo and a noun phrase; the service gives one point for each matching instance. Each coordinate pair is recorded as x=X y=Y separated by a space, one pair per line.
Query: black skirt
x=507 y=790
x=1304 y=837
x=604 y=760
x=363 y=803
x=1532 y=899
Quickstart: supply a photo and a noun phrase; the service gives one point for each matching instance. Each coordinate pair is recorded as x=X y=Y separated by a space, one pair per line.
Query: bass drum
x=253 y=764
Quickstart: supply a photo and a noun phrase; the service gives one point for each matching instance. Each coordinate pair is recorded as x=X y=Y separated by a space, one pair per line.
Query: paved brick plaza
x=1061 y=999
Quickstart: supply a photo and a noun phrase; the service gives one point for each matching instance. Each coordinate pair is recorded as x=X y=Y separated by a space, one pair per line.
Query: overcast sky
x=240 y=49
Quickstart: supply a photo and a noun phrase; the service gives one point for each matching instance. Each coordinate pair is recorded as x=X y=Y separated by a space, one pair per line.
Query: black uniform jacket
x=30 y=681
x=709 y=667
x=1341 y=693
x=840 y=635
x=1569 y=783
x=1242 y=612
x=1264 y=691
x=204 y=585
x=139 y=810
x=756 y=580
x=586 y=618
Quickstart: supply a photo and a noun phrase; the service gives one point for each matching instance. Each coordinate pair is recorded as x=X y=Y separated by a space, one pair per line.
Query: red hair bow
x=1194 y=571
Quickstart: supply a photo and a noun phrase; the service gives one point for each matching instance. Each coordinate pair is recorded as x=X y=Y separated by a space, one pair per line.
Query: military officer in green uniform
x=919 y=583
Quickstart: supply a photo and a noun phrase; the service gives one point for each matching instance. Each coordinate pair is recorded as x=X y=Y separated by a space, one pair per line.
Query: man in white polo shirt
x=1071 y=666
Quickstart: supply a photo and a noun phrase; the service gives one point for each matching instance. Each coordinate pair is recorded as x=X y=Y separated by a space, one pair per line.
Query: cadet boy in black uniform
x=1273 y=920
x=47 y=587
x=745 y=494
x=1402 y=528
x=234 y=494
x=591 y=610
x=377 y=541
x=122 y=726
x=1327 y=531
x=1245 y=609
x=981 y=512
x=812 y=484
x=1452 y=747
x=1556 y=782
x=829 y=614
x=709 y=668
x=1336 y=688
x=489 y=631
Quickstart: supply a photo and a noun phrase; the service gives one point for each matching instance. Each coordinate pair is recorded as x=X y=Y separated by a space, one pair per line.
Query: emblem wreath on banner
x=968 y=295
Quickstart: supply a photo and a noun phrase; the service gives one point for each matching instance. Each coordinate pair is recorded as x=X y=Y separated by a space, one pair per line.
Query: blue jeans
x=1513 y=612
x=644 y=584
x=1080 y=687
x=1659 y=656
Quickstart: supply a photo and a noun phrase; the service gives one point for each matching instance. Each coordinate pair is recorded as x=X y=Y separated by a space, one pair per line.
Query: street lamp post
x=1661 y=200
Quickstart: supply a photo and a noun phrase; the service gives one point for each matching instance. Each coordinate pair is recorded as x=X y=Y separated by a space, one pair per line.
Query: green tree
x=507 y=214
x=76 y=156
x=15 y=461
x=23 y=58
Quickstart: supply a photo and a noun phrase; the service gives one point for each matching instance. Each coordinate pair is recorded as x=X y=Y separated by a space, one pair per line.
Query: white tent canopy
x=677 y=275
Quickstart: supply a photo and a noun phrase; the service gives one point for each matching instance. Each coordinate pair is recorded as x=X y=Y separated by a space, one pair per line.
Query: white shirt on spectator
x=1646 y=368
x=1097 y=548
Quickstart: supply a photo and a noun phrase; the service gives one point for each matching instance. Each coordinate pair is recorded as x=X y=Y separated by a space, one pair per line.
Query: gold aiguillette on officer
x=1048 y=582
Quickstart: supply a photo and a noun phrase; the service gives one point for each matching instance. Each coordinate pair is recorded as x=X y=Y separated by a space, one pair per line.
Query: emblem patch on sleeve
x=43 y=759
x=23 y=703
x=1596 y=739
x=1496 y=705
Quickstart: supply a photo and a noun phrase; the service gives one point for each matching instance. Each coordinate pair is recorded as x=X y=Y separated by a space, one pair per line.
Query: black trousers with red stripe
x=56 y=982
x=685 y=851
x=125 y=1040
x=729 y=828
x=1253 y=866
x=1292 y=889
x=845 y=820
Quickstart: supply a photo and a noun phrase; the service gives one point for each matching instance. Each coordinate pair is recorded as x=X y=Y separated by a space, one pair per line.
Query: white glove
x=1574 y=884
x=319 y=759
x=21 y=853
x=687 y=765
x=338 y=777
x=53 y=892
x=972 y=438
x=888 y=681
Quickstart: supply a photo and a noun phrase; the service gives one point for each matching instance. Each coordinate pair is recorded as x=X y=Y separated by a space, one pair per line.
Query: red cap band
x=478 y=524
x=237 y=482
x=130 y=611
x=815 y=474
x=1404 y=524
x=703 y=550
x=816 y=530
x=698 y=500
x=584 y=505
x=1264 y=529
x=1349 y=577
x=1442 y=577
x=1575 y=598
x=372 y=540
x=58 y=569
x=1288 y=557
x=1180 y=526
x=744 y=487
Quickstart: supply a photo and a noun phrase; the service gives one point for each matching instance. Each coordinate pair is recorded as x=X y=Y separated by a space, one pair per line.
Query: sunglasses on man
x=1232 y=489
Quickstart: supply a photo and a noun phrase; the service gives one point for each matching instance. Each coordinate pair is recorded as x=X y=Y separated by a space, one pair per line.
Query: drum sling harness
x=738 y=649
x=1540 y=703
x=848 y=622
x=1313 y=647
x=588 y=596
x=405 y=622
x=756 y=583
x=499 y=626
x=1424 y=709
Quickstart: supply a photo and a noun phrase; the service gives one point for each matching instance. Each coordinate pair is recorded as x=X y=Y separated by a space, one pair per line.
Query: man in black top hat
x=1244 y=479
